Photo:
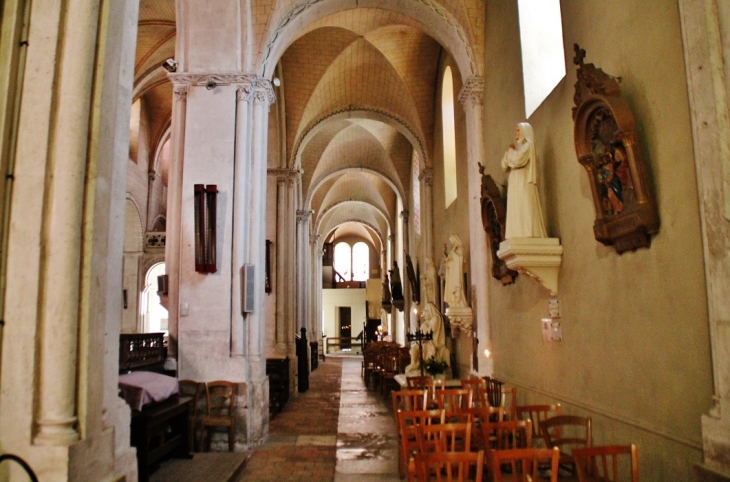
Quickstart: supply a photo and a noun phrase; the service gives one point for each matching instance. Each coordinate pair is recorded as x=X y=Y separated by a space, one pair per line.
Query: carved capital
x=473 y=90
x=181 y=92
x=304 y=215
x=244 y=92
x=284 y=174
x=252 y=86
x=404 y=215
x=427 y=176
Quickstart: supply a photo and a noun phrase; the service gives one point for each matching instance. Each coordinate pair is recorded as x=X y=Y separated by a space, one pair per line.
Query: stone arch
x=315 y=185
x=133 y=232
x=359 y=112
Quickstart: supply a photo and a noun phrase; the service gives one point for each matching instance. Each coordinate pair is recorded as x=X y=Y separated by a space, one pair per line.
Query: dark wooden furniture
x=277 y=370
x=161 y=430
x=220 y=397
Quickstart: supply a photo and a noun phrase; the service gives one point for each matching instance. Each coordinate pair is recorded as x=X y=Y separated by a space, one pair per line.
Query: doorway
x=345 y=316
x=154 y=315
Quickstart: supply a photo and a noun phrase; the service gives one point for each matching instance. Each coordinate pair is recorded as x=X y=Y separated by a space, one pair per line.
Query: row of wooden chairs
x=521 y=427
x=382 y=361
x=220 y=399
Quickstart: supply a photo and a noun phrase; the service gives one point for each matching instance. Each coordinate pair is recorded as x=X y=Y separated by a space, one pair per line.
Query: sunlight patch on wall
x=543 y=54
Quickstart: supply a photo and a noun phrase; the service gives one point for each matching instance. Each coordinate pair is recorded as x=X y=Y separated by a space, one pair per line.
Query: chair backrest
x=512 y=434
x=509 y=402
x=409 y=400
x=567 y=432
x=494 y=391
x=448 y=437
x=449 y=466
x=454 y=399
x=221 y=396
x=409 y=427
x=476 y=385
x=537 y=413
x=421 y=383
x=607 y=463
x=524 y=464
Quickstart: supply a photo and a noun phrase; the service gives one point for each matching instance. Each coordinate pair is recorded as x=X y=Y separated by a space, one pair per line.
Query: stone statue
x=428 y=283
x=524 y=214
x=454 y=273
x=431 y=322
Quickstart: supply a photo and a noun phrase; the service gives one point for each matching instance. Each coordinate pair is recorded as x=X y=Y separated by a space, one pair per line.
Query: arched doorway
x=153 y=315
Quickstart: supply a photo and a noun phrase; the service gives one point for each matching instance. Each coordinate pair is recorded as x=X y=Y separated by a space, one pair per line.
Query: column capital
x=427 y=176
x=404 y=215
x=180 y=91
x=252 y=86
x=284 y=174
x=303 y=215
x=473 y=89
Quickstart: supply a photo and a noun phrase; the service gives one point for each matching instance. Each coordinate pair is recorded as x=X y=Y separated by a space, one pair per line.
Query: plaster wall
x=636 y=341
x=335 y=298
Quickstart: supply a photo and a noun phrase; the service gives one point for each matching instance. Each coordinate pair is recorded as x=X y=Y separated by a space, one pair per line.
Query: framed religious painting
x=607 y=146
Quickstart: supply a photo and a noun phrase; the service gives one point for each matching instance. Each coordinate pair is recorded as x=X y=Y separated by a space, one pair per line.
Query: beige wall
x=635 y=354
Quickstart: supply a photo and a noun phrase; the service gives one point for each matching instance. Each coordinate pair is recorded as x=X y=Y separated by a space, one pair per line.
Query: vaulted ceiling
x=358 y=92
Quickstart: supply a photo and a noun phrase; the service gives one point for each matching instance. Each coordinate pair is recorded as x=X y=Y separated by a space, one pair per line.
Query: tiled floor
x=337 y=431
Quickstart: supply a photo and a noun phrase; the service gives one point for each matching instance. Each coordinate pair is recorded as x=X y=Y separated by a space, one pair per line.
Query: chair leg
x=231 y=438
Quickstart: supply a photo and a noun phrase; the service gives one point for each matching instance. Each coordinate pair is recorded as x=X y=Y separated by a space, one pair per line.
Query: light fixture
x=276 y=82
x=487 y=353
x=170 y=65
x=210 y=85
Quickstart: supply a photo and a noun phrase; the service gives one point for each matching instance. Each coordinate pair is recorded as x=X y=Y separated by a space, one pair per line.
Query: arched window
x=154 y=315
x=543 y=54
x=449 y=136
x=360 y=261
x=343 y=261
x=416 y=182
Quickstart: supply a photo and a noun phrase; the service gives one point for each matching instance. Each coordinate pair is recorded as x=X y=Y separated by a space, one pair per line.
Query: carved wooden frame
x=494 y=213
x=607 y=145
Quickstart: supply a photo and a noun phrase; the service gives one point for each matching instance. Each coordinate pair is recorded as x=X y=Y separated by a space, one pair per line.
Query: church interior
x=243 y=174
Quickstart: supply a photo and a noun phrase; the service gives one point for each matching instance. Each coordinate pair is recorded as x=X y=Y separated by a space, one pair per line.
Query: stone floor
x=338 y=431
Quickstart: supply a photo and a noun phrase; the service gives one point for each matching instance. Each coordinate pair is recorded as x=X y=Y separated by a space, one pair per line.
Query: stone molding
x=538 y=258
x=473 y=90
x=252 y=85
x=303 y=215
x=284 y=174
x=181 y=92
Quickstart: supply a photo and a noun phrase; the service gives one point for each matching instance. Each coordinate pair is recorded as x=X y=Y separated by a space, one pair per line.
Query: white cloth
x=141 y=388
x=524 y=213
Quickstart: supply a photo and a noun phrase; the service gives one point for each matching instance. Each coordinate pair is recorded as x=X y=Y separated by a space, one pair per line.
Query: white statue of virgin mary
x=524 y=214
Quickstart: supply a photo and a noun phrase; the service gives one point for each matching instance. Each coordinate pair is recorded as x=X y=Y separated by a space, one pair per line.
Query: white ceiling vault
x=358 y=88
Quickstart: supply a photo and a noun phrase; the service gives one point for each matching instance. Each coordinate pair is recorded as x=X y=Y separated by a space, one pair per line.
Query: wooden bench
x=278 y=371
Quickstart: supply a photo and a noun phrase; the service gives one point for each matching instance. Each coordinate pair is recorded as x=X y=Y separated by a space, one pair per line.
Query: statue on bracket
x=493 y=220
x=607 y=145
x=524 y=214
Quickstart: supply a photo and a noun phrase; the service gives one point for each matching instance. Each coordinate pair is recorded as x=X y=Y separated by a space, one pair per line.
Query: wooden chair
x=221 y=398
x=447 y=437
x=567 y=432
x=507 y=435
x=481 y=416
x=409 y=436
x=476 y=385
x=523 y=464
x=509 y=402
x=408 y=400
x=493 y=391
x=449 y=466
x=191 y=388
x=602 y=462
x=454 y=400
x=537 y=413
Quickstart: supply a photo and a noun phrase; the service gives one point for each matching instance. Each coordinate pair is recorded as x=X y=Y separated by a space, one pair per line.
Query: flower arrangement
x=435 y=366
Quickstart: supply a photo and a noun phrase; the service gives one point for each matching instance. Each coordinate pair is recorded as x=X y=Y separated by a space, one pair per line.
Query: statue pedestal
x=538 y=258
x=461 y=318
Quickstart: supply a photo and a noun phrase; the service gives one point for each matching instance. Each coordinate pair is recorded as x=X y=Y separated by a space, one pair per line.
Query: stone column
x=472 y=98
x=291 y=273
x=303 y=276
x=59 y=307
x=241 y=182
x=704 y=27
x=426 y=179
x=281 y=237
x=174 y=209
x=407 y=295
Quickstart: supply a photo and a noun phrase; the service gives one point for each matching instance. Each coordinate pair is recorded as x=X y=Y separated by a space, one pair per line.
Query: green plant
x=435 y=366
